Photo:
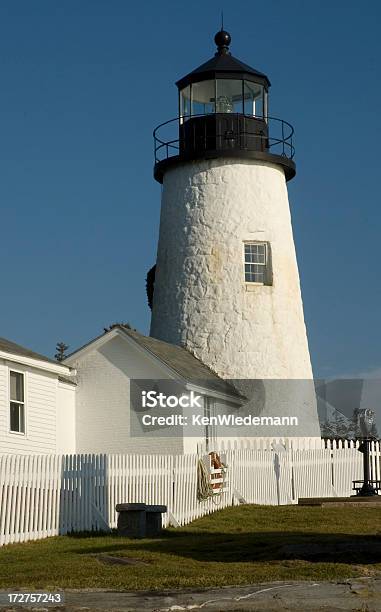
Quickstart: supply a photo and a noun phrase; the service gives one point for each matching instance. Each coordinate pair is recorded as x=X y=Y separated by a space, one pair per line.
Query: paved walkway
x=360 y=595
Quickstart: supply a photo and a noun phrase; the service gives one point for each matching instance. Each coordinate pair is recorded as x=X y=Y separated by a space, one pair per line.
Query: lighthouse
x=226 y=284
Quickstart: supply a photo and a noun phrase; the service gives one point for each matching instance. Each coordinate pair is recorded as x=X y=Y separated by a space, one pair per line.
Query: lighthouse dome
x=223 y=65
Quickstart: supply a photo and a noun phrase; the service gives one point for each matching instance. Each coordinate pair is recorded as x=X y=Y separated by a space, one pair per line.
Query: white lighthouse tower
x=227 y=285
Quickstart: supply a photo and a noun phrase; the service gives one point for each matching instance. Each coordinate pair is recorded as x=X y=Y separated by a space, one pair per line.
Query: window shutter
x=269 y=267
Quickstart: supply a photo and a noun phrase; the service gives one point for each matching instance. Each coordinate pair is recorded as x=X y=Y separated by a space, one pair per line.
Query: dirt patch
x=108 y=560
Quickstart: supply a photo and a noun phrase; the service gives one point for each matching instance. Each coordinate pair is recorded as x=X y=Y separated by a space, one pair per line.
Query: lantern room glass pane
x=185 y=101
x=229 y=96
x=253 y=99
x=203 y=97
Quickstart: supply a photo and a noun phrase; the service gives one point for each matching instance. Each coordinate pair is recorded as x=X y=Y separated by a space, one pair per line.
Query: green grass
x=234 y=546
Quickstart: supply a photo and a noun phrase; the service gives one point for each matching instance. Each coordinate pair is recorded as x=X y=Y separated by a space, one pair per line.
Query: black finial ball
x=222 y=39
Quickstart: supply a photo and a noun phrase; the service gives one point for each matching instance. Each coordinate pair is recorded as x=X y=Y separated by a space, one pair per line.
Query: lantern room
x=224 y=111
x=223 y=85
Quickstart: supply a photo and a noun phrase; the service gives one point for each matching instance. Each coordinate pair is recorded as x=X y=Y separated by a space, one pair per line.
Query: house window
x=17 y=402
x=257 y=264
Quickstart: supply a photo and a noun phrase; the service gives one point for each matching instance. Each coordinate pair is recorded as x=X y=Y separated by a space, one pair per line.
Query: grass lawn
x=234 y=546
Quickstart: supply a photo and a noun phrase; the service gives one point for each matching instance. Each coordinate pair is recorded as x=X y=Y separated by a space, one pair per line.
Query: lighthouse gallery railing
x=278 y=138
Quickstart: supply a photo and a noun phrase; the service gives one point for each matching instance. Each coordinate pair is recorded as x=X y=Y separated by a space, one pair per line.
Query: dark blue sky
x=82 y=86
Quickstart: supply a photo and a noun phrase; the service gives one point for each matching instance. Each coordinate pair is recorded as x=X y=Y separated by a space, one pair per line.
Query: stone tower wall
x=201 y=301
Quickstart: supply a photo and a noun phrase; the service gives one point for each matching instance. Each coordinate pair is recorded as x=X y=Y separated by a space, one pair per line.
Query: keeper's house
x=37 y=402
x=83 y=404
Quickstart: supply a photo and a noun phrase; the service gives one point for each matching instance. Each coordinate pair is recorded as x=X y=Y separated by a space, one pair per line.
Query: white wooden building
x=37 y=402
x=105 y=368
x=83 y=404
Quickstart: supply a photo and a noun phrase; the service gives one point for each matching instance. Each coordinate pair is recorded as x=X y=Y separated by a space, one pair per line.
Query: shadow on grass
x=86 y=535
x=251 y=547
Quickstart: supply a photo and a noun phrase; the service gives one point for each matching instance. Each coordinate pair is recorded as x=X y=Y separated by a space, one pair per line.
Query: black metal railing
x=276 y=138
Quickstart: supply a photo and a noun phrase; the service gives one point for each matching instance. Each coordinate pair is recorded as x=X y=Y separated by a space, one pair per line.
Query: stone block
x=154 y=521
x=139 y=520
x=131 y=520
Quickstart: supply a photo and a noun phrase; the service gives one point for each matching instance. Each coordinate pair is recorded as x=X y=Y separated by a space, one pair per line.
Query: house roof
x=65 y=379
x=16 y=349
x=178 y=359
x=183 y=362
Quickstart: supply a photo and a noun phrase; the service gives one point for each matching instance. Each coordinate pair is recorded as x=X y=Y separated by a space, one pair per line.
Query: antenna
x=222 y=20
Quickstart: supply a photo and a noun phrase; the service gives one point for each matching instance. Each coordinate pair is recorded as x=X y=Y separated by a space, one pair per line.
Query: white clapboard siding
x=46 y=495
x=41 y=413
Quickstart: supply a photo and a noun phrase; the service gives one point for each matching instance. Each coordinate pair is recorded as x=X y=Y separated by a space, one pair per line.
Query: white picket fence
x=46 y=495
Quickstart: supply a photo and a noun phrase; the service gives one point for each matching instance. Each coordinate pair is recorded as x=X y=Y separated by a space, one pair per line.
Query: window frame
x=20 y=403
x=267 y=274
x=210 y=431
x=247 y=101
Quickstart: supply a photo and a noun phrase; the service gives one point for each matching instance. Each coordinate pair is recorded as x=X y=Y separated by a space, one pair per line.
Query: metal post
x=367 y=489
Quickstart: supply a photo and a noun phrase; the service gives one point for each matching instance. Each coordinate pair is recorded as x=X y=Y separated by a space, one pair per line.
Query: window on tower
x=257 y=263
